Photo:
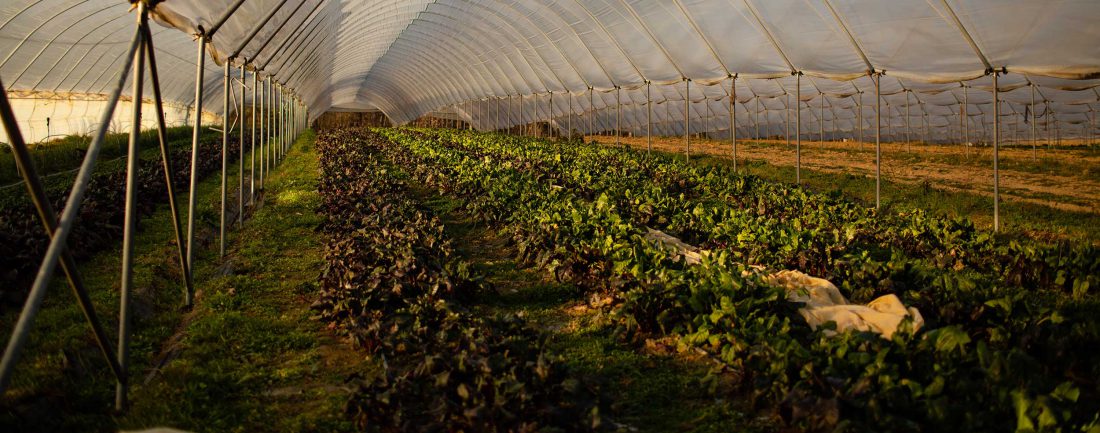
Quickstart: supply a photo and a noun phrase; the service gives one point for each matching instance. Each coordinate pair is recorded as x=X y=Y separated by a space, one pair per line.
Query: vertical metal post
x=240 y=154
x=924 y=124
x=787 y=118
x=756 y=118
x=64 y=226
x=195 y=136
x=860 y=120
x=687 y=119
x=569 y=120
x=821 y=120
x=252 y=175
x=130 y=217
x=965 y=112
x=908 y=140
x=878 y=139
x=1047 y=125
x=281 y=119
x=618 y=116
x=996 y=155
x=550 y=116
x=263 y=116
x=225 y=157
x=46 y=215
x=798 y=128
x=649 y=118
x=591 y=110
x=272 y=150
x=166 y=160
x=1092 y=126
x=1033 y=139
x=733 y=119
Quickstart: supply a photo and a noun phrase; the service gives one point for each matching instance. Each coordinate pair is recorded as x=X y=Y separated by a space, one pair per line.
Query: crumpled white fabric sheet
x=823 y=302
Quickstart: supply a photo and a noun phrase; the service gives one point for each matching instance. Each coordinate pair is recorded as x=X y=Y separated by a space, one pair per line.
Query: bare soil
x=1064 y=179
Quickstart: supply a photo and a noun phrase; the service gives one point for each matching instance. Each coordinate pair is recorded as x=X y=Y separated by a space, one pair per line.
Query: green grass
x=252 y=358
x=1018 y=220
x=246 y=358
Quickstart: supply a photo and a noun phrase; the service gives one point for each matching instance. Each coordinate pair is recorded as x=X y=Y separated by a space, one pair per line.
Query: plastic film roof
x=496 y=63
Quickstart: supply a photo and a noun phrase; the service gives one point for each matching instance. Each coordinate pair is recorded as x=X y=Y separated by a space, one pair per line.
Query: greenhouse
x=557 y=215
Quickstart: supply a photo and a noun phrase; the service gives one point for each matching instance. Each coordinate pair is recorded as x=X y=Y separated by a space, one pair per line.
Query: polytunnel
x=949 y=71
x=409 y=58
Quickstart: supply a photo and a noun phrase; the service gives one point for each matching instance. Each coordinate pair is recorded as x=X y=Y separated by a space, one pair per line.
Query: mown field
x=443 y=280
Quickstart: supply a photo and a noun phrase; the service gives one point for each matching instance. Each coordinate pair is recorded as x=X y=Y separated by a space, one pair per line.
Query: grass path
x=250 y=357
x=653 y=389
x=247 y=357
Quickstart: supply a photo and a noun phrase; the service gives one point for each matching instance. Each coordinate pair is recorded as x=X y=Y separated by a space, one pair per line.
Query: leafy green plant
x=394 y=286
x=1001 y=322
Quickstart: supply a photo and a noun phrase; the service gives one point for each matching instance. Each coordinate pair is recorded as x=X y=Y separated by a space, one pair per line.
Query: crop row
x=581 y=211
x=99 y=224
x=393 y=284
x=714 y=207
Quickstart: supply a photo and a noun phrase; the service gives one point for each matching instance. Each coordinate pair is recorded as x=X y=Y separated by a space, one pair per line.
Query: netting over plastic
x=496 y=63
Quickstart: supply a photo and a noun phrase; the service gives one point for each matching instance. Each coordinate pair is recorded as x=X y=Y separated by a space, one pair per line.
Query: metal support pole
x=733 y=119
x=618 y=116
x=64 y=228
x=860 y=120
x=1092 y=126
x=649 y=118
x=281 y=122
x=263 y=115
x=225 y=158
x=756 y=118
x=878 y=139
x=46 y=215
x=821 y=120
x=798 y=128
x=924 y=124
x=252 y=175
x=591 y=111
x=996 y=155
x=195 y=136
x=965 y=112
x=166 y=160
x=787 y=119
x=687 y=119
x=130 y=218
x=1033 y=139
x=908 y=140
x=550 y=117
x=272 y=150
x=240 y=154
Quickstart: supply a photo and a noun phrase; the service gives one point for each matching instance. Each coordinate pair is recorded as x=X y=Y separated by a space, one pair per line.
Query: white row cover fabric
x=470 y=57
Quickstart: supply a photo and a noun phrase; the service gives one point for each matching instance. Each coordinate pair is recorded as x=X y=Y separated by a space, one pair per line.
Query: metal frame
x=141 y=56
x=64 y=227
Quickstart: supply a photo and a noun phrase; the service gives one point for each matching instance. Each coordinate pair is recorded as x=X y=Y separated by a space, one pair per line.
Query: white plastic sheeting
x=42 y=118
x=496 y=62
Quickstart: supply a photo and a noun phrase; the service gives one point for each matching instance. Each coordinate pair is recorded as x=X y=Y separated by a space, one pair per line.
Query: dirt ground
x=1064 y=179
